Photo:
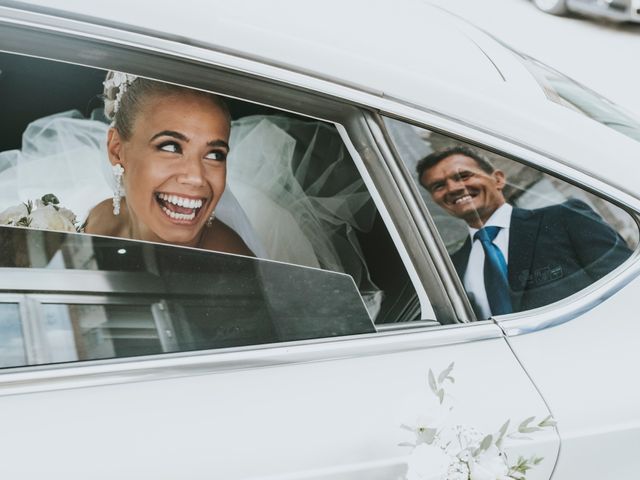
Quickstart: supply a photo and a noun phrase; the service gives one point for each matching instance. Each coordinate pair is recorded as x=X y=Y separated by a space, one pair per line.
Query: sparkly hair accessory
x=121 y=81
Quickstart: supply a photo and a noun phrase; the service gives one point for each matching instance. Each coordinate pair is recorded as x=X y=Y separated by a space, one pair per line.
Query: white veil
x=293 y=193
x=303 y=195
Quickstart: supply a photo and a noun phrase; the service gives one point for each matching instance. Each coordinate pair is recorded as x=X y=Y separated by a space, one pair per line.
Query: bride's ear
x=114 y=146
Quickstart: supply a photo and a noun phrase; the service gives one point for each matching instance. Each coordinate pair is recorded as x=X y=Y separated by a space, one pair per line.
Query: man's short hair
x=436 y=157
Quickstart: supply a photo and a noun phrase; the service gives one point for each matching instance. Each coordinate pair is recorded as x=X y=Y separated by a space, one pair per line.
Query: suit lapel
x=523 y=235
x=460 y=258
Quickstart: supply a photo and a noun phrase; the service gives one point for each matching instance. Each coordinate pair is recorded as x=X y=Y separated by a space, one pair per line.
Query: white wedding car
x=348 y=348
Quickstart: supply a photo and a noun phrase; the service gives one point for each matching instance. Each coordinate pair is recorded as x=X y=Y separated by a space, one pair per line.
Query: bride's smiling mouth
x=180 y=208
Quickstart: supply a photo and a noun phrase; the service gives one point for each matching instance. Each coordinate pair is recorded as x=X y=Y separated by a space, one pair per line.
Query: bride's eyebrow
x=180 y=136
x=169 y=133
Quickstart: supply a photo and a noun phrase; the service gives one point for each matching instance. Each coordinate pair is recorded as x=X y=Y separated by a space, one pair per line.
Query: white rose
x=424 y=410
x=12 y=214
x=458 y=470
x=48 y=218
x=68 y=214
x=428 y=462
x=489 y=465
x=461 y=440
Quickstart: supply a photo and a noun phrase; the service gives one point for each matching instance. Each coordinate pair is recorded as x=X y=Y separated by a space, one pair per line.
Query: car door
x=576 y=335
x=325 y=403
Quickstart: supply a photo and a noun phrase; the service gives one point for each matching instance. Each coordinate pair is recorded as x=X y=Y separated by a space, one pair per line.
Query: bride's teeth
x=179 y=216
x=181 y=201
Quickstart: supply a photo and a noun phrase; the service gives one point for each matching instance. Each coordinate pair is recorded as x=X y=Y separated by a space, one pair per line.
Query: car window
x=295 y=208
x=518 y=238
x=81 y=297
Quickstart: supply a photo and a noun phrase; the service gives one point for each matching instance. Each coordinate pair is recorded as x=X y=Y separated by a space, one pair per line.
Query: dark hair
x=136 y=93
x=436 y=157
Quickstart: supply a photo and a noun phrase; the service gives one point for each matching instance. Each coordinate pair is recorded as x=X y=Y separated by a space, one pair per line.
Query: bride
x=168 y=148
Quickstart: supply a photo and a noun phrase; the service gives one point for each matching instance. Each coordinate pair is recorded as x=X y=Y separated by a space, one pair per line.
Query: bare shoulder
x=102 y=221
x=222 y=238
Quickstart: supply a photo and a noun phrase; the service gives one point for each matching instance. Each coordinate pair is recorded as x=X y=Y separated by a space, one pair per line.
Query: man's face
x=462 y=188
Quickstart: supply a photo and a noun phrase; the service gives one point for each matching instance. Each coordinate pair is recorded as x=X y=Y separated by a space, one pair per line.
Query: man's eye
x=465 y=175
x=436 y=187
x=216 y=155
x=171 y=147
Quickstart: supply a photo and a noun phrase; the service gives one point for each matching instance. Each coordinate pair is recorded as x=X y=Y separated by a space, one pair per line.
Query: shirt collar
x=500 y=218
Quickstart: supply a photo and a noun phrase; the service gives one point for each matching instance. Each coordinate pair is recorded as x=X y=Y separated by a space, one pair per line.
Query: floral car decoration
x=445 y=451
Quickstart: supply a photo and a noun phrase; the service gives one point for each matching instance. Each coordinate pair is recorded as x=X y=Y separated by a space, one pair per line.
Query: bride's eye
x=217 y=155
x=171 y=147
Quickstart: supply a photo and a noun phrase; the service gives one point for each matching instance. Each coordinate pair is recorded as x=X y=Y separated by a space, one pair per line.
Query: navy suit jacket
x=554 y=252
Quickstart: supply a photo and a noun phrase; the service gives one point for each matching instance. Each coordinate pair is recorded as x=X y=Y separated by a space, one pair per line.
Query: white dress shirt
x=474 y=274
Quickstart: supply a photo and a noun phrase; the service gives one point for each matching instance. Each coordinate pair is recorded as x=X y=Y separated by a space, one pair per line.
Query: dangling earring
x=211 y=218
x=117 y=190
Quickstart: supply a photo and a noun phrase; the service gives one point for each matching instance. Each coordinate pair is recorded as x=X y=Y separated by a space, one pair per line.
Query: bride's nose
x=191 y=171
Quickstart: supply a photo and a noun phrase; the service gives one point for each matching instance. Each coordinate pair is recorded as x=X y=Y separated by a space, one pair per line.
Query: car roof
x=408 y=50
x=354 y=42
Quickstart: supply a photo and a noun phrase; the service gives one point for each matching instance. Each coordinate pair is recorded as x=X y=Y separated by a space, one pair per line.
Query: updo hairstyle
x=136 y=93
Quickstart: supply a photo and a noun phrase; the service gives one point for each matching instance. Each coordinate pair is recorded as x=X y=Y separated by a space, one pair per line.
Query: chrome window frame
x=42 y=378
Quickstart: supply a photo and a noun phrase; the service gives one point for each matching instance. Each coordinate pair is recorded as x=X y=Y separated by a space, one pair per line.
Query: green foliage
x=522 y=466
x=50 y=199
x=467 y=448
x=437 y=385
x=23 y=222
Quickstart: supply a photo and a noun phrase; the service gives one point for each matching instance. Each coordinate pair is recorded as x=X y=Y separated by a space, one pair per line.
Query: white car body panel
x=335 y=419
x=586 y=370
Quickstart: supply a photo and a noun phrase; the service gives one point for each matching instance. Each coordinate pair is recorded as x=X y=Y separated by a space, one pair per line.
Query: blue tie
x=496 y=282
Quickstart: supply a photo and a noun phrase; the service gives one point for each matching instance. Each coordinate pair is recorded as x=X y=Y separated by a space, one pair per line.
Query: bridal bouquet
x=44 y=213
x=457 y=452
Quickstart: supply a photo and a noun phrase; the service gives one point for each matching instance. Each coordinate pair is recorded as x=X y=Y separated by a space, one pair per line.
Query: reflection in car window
x=84 y=298
x=567 y=92
x=518 y=238
x=12 y=350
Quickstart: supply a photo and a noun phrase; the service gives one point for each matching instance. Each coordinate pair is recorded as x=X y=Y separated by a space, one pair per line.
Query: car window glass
x=292 y=194
x=549 y=239
x=135 y=298
x=12 y=350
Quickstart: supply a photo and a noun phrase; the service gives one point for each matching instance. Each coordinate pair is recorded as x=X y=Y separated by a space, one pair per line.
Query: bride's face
x=175 y=166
